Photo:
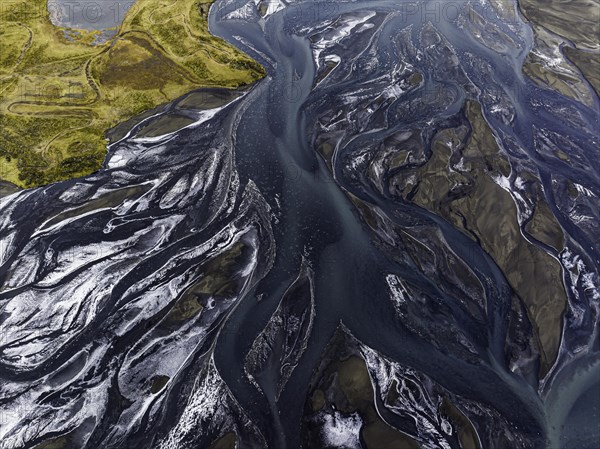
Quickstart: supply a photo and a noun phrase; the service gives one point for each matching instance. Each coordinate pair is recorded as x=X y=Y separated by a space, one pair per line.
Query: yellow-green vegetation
x=565 y=83
x=589 y=64
x=354 y=383
x=218 y=280
x=60 y=92
x=227 y=441
x=111 y=199
x=579 y=22
x=61 y=442
x=466 y=433
x=158 y=383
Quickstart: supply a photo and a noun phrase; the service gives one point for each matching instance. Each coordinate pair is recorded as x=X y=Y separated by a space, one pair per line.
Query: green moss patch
x=60 y=90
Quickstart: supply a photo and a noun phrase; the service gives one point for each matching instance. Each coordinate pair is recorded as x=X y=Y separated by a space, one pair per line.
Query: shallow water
x=88 y=14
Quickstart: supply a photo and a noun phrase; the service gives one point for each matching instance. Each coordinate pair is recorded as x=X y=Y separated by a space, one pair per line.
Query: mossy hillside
x=472 y=200
x=59 y=92
x=578 y=21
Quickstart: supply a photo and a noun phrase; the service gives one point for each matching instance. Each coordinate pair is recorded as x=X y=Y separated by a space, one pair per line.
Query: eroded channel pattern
x=390 y=242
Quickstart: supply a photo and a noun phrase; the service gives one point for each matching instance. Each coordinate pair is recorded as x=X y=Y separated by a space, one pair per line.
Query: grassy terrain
x=487 y=213
x=60 y=92
x=579 y=22
x=341 y=383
